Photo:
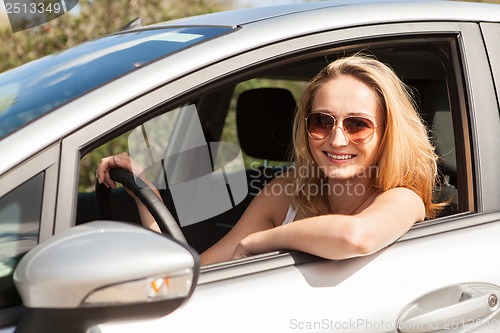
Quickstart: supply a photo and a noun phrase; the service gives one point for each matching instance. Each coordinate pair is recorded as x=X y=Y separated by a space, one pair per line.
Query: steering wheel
x=156 y=207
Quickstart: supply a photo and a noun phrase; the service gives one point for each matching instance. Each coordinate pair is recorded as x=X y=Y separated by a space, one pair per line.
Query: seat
x=264 y=120
x=433 y=102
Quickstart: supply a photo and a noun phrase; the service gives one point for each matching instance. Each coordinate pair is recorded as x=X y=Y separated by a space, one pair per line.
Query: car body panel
x=356 y=295
x=286 y=292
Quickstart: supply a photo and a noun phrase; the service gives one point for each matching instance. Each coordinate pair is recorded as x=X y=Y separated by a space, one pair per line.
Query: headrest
x=432 y=97
x=264 y=118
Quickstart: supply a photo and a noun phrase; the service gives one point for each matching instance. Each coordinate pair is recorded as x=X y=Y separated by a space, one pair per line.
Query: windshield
x=30 y=91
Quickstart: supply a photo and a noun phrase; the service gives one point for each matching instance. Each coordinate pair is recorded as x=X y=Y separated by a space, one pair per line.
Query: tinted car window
x=20 y=212
x=30 y=91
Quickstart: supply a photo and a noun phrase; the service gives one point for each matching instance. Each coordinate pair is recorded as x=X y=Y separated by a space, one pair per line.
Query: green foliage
x=92 y=19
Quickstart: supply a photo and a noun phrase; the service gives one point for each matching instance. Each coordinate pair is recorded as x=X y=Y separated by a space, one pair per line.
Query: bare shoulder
x=273 y=200
x=279 y=188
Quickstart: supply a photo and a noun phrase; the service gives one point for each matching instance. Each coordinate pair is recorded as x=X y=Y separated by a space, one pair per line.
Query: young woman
x=364 y=171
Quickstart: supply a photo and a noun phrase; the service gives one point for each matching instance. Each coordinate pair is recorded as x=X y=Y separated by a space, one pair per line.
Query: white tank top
x=290 y=215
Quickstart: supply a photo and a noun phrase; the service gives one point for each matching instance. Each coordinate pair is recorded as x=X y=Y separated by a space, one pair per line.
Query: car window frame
x=491 y=33
x=169 y=96
x=483 y=117
x=488 y=99
x=46 y=162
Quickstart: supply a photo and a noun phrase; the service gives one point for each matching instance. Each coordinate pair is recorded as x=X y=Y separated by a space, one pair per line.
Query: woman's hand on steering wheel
x=125 y=162
x=147 y=197
x=122 y=161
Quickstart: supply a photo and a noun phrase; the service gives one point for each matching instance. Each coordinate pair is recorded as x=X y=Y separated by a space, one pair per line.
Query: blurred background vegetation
x=92 y=19
x=95 y=18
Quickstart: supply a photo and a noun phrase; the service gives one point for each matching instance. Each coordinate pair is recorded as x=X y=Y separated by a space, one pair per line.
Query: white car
x=206 y=103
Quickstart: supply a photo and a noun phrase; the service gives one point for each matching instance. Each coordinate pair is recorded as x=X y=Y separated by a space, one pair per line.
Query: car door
x=438 y=276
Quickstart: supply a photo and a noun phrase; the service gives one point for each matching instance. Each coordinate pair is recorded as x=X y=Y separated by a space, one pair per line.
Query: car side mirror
x=102 y=272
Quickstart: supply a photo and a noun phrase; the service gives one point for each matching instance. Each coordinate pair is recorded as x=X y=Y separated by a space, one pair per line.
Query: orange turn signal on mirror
x=149 y=289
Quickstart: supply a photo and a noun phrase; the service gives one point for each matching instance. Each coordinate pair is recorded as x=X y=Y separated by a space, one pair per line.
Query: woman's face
x=336 y=155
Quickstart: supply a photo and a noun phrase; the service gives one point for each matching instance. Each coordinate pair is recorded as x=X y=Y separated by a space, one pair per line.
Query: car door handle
x=450 y=308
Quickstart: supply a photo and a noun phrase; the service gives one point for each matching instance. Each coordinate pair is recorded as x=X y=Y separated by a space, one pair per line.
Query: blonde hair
x=406 y=156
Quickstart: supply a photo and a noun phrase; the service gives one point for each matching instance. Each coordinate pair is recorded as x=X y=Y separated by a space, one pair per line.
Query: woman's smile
x=339 y=157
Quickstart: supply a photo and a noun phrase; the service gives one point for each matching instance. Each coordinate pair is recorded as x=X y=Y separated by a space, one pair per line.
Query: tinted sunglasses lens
x=319 y=125
x=359 y=129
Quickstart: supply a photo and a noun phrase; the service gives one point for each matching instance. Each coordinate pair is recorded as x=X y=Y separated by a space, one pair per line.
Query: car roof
x=354 y=11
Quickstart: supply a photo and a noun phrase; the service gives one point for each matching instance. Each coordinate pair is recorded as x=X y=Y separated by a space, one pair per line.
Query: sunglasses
x=359 y=130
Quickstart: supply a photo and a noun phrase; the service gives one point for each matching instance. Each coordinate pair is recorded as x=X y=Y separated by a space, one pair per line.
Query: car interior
x=255 y=110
